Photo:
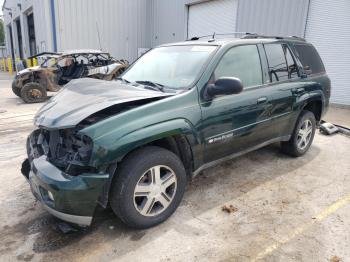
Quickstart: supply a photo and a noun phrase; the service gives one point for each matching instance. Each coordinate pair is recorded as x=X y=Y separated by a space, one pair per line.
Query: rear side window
x=310 y=59
x=278 y=69
x=292 y=66
x=242 y=62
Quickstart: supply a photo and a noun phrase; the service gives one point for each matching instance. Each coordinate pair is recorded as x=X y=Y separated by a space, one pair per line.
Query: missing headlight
x=67 y=149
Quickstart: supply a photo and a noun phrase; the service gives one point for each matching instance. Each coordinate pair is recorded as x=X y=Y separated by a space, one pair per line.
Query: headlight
x=67 y=149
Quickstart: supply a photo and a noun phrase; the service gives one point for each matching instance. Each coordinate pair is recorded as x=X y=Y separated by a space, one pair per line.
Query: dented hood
x=83 y=97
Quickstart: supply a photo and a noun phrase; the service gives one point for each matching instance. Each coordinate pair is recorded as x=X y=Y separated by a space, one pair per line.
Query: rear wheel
x=148 y=188
x=15 y=89
x=302 y=136
x=33 y=93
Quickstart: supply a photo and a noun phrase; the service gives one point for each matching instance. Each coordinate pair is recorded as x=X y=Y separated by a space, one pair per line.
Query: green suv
x=134 y=143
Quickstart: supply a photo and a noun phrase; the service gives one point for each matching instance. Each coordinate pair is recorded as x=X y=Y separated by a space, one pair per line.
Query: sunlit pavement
x=288 y=209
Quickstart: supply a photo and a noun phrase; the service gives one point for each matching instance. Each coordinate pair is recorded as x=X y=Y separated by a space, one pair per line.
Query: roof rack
x=214 y=34
x=246 y=35
x=255 y=36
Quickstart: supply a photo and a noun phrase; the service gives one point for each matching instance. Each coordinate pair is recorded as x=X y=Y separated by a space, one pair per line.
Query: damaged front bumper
x=70 y=198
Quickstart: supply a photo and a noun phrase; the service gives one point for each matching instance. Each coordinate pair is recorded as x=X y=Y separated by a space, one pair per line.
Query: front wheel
x=148 y=187
x=302 y=136
x=33 y=93
x=15 y=89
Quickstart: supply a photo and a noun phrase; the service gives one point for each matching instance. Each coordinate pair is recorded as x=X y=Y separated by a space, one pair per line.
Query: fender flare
x=109 y=152
x=315 y=97
x=126 y=144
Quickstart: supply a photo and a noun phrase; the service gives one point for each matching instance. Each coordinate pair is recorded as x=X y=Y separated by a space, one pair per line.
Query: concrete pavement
x=288 y=209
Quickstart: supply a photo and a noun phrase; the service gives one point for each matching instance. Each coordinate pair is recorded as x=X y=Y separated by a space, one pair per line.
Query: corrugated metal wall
x=43 y=25
x=42 y=19
x=264 y=16
x=259 y=16
x=168 y=21
x=328 y=28
x=203 y=18
x=122 y=25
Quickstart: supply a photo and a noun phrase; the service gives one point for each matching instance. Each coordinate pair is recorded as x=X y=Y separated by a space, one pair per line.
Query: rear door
x=284 y=87
x=232 y=123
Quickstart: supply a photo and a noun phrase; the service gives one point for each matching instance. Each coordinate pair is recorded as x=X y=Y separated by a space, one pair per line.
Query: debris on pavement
x=328 y=129
x=229 y=209
x=335 y=259
x=66 y=228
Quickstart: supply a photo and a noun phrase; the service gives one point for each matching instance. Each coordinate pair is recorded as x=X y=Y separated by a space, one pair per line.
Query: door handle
x=298 y=90
x=262 y=100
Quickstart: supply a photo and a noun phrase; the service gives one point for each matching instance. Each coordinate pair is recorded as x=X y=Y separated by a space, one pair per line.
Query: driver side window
x=242 y=62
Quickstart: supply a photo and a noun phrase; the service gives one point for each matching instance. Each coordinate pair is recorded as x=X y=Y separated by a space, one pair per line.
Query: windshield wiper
x=152 y=85
x=122 y=79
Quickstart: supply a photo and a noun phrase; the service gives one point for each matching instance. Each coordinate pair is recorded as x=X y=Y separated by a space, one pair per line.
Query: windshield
x=170 y=66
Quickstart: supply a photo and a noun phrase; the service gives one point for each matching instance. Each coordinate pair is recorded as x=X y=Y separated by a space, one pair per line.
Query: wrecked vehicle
x=57 y=69
x=180 y=108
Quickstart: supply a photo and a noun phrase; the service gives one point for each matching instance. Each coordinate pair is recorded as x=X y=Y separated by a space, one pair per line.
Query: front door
x=232 y=123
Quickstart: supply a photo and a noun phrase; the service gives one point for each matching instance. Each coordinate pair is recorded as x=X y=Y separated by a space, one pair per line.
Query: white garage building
x=125 y=28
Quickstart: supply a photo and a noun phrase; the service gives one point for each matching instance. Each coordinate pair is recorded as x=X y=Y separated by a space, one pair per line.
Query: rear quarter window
x=310 y=59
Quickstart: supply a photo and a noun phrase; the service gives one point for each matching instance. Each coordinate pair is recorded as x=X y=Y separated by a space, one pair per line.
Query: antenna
x=98 y=34
x=212 y=38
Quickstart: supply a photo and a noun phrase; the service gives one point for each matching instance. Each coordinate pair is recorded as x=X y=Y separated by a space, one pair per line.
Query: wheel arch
x=177 y=136
x=315 y=105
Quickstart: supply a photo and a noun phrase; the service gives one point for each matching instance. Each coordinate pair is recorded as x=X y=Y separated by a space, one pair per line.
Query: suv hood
x=83 y=97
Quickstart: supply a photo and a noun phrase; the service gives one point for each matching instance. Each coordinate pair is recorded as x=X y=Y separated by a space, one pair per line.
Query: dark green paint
x=238 y=118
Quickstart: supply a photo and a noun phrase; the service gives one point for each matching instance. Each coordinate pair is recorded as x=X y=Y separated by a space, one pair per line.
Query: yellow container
x=35 y=61
x=29 y=63
x=9 y=65
x=3 y=64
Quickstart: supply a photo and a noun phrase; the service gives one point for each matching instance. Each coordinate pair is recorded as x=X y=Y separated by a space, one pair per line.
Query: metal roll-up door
x=328 y=28
x=217 y=16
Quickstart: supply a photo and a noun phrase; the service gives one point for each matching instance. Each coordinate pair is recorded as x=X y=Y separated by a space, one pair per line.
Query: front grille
x=64 y=148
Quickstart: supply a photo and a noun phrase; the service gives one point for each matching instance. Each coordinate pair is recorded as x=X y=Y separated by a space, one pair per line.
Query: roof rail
x=254 y=36
x=214 y=34
x=246 y=35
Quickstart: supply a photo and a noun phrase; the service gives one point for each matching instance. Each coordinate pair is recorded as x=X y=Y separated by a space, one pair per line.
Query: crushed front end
x=59 y=174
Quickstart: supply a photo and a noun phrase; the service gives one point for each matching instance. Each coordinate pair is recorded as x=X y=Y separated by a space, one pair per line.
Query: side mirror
x=225 y=86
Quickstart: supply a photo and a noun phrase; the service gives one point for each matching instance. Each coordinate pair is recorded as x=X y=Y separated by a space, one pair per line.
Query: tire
x=15 y=89
x=134 y=172
x=295 y=146
x=33 y=93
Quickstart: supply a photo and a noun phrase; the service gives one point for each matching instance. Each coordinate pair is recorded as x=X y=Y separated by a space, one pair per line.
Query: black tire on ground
x=33 y=93
x=16 y=90
x=128 y=175
x=291 y=147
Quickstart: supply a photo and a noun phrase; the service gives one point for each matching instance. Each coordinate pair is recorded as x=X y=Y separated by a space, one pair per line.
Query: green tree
x=2 y=33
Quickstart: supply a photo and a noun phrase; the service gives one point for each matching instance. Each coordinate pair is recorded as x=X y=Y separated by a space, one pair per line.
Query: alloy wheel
x=155 y=190
x=304 y=134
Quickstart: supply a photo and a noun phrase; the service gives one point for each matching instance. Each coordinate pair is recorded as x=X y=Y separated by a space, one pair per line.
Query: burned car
x=132 y=144
x=57 y=69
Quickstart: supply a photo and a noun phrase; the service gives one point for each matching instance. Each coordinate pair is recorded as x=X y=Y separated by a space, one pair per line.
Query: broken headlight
x=67 y=149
